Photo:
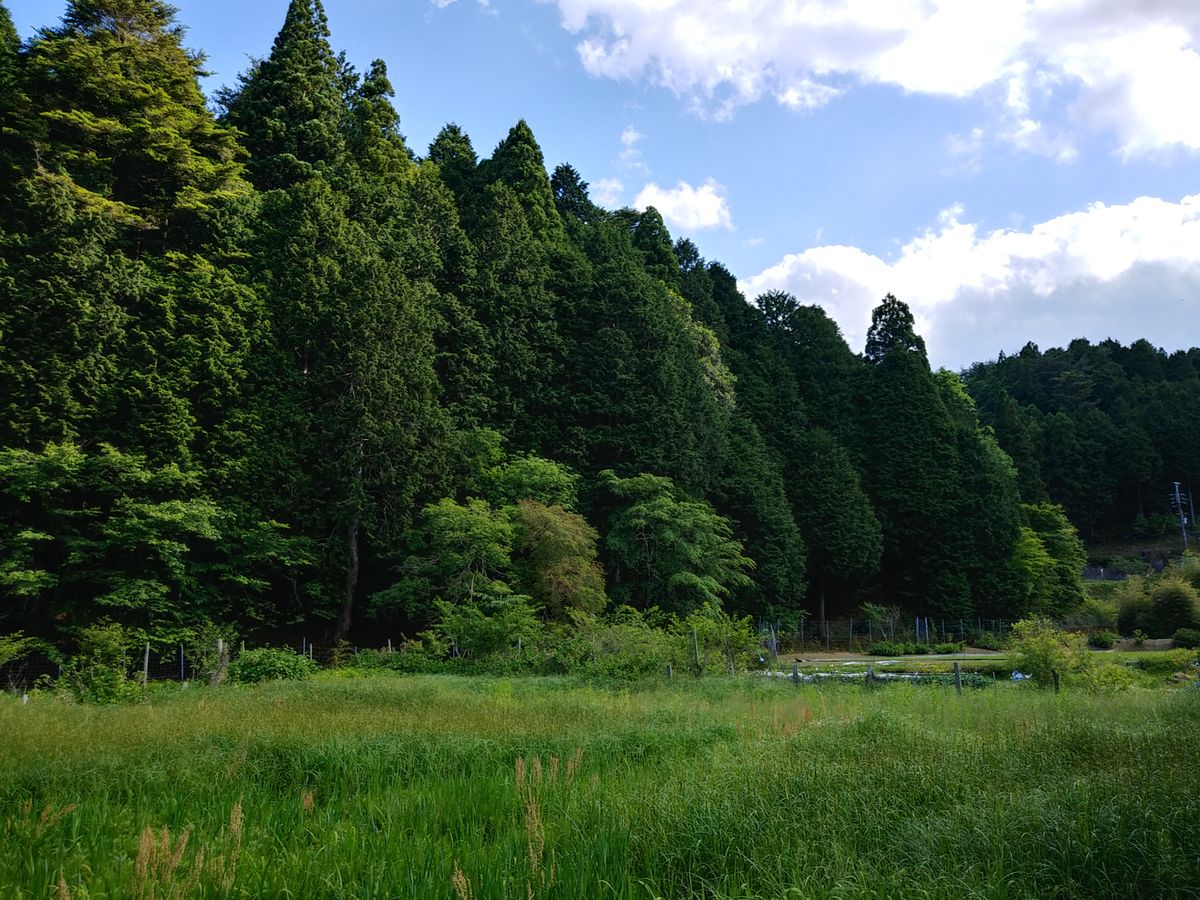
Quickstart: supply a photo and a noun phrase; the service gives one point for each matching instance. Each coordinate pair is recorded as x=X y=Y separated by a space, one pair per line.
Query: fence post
x=670 y=672
x=870 y=681
x=958 y=677
x=218 y=674
x=695 y=652
x=146 y=666
x=850 y=642
x=795 y=673
x=181 y=672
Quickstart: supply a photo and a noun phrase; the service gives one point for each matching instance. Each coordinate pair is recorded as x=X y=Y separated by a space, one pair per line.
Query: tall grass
x=435 y=786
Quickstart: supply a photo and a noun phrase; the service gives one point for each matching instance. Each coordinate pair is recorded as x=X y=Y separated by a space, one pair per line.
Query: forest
x=265 y=364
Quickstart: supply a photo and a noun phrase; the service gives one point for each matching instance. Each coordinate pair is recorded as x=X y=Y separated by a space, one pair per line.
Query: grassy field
x=438 y=786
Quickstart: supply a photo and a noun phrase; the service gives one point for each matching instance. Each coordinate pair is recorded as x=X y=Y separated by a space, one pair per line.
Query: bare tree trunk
x=343 y=625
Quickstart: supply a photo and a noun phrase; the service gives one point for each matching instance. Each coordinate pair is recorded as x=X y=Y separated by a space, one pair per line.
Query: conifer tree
x=912 y=475
x=835 y=517
x=13 y=102
x=290 y=107
x=346 y=380
x=119 y=116
x=571 y=194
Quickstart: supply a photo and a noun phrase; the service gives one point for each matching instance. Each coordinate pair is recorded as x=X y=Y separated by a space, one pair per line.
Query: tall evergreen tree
x=835 y=517
x=912 y=478
x=346 y=380
x=119 y=115
x=290 y=107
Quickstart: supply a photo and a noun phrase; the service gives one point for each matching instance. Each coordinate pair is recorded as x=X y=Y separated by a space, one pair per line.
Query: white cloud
x=630 y=156
x=1106 y=271
x=607 y=192
x=690 y=208
x=807 y=94
x=965 y=151
x=1050 y=68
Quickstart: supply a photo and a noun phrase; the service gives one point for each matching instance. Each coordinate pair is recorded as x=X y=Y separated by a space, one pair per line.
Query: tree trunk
x=343 y=625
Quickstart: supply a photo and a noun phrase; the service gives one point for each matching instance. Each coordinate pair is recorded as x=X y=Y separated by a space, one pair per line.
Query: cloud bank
x=1131 y=69
x=1122 y=271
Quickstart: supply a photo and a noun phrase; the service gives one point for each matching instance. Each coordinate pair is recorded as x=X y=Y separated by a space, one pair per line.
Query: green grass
x=386 y=786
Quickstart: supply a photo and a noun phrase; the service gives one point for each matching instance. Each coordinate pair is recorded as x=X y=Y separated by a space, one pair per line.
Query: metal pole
x=1183 y=520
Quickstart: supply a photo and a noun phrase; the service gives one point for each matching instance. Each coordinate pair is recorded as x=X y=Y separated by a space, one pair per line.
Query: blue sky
x=1015 y=170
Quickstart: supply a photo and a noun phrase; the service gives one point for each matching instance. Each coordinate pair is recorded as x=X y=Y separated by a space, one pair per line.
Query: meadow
x=455 y=787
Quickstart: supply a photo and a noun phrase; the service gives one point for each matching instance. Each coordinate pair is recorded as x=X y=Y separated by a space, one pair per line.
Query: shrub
x=988 y=641
x=1167 y=662
x=1175 y=606
x=1102 y=640
x=624 y=646
x=1134 y=608
x=1187 y=638
x=493 y=625
x=1097 y=611
x=1106 y=676
x=720 y=636
x=1041 y=648
x=16 y=646
x=948 y=647
x=906 y=648
x=268 y=663
x=411 y=660
x=99 y=672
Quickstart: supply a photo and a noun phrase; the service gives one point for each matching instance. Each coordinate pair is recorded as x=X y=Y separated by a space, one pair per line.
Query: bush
x=99 y=672
x=722 y=637
x=1098 y=610
x=1167 y=662
x=905 y=648
x=411 y=660
x=486 y=627
x=1041 y=648
x=988 y=641
x=1187 y=637
x=1105 y=677
x=1135 y=611
x=1175 y=606
x=949 y=647
x=1102 y=640
x=16 y=646
x=268 y=663
x=624 y=646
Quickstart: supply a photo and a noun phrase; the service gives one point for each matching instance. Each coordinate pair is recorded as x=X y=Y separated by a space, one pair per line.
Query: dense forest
x=264 y=363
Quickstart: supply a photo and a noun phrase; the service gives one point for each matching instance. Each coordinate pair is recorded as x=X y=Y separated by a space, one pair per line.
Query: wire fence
x=859 y=635
x=154 y=663
x=185 y=664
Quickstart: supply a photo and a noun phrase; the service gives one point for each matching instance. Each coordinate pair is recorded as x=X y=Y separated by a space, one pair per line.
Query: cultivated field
x=437 y=786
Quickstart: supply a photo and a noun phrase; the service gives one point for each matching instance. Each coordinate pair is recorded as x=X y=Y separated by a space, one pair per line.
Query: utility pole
x=1177 y=506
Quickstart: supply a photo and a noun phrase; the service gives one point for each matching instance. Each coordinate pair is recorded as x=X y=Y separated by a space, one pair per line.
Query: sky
x=1014 y=170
